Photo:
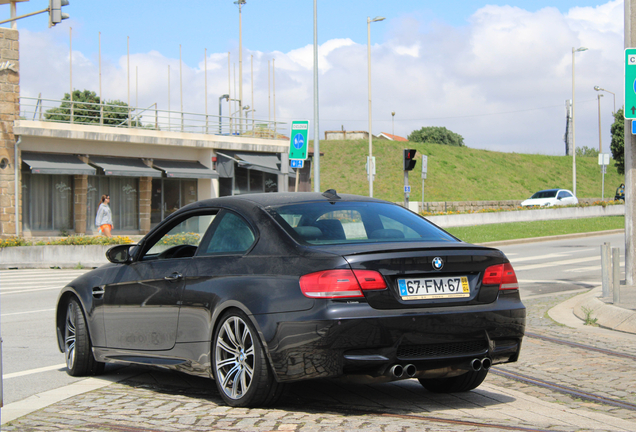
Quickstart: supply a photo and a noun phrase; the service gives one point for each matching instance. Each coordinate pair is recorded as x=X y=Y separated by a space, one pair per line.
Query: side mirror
x=120 y=254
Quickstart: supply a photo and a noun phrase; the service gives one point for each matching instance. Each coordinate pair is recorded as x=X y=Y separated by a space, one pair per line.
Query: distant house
x=357 y=135
x=388 y=136
x=346 y=135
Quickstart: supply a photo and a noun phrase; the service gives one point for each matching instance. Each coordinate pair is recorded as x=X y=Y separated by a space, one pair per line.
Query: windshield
x=355 y=222
x=545 y=194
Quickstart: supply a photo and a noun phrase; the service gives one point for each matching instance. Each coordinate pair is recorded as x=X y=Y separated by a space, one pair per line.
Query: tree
x=618 y=141
x=87 y=109
x=586 y=151
x=436 y=135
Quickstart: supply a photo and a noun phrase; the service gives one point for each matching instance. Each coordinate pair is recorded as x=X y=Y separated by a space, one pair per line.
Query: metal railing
x=151 y=118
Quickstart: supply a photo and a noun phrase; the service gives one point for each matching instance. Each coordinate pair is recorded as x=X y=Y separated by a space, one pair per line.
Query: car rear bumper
x=349 y=339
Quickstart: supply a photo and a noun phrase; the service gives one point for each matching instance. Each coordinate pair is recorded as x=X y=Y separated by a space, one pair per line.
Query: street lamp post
x=393 y=124
x=370 y=165
x=574 y=50
x=597 y=88
x=240 y=3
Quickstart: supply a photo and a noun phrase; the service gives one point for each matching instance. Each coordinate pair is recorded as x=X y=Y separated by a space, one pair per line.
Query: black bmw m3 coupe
x=256 y=291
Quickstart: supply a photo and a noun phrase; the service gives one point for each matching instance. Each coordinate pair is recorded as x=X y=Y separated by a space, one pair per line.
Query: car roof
x=279 y=198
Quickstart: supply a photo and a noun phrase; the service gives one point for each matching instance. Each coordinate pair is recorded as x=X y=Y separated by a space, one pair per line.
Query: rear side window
x=354 y=222
x=231 y=236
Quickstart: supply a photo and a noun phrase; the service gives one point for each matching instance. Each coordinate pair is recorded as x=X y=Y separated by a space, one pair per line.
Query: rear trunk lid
x=430 y=275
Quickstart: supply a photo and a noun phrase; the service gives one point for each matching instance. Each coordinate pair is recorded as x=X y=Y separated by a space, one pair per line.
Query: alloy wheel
x=70 y=337
x=234 y=355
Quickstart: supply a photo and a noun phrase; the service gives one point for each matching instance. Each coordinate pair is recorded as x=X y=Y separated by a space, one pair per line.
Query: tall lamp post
x=597 y=88
x=574 y=51
x=393 y=124
x=371 y=167
x=240 y=3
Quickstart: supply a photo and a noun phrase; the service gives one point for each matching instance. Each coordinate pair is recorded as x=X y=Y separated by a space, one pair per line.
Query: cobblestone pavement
x=157 y=400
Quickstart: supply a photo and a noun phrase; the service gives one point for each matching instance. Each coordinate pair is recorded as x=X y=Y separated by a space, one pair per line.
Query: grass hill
x=457 y=173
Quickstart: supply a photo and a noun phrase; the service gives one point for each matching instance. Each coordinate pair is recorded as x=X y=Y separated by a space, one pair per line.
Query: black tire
x=462 y=383
x=78 y=350
x=240 y=368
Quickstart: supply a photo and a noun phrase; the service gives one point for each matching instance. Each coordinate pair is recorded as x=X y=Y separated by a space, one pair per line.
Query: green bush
x=77 y=240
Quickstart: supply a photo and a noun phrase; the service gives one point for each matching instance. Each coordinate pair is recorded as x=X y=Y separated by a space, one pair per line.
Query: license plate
x=434 y=288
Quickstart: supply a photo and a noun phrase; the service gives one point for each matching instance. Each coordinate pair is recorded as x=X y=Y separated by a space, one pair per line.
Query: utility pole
x=630 y=162
x=240 y=101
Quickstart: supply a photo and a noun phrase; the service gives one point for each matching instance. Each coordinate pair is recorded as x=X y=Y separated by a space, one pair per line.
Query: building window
x=47 y=202
x=124 y=201
x=248 y=181
x=169 y=195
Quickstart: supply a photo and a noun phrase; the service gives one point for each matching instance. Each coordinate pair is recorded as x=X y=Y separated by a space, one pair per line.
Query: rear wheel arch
x=258 y=382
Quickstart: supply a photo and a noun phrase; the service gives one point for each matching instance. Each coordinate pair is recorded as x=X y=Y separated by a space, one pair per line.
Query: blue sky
x=279 y=25
x=497 y=72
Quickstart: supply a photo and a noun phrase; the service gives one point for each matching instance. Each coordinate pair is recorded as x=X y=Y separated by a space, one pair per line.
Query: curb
x=573 y=312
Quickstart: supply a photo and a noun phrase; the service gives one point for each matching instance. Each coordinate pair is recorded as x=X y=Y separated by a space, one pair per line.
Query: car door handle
x=174 y=276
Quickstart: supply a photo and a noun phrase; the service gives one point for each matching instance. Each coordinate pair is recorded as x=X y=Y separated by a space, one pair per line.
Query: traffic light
x=55 y=12
x=409 y=159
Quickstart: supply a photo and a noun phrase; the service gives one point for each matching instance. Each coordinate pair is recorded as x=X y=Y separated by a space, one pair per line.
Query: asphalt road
x=33 y=364
x=562 y=265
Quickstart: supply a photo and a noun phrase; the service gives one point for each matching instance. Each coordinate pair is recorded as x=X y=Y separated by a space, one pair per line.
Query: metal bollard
x=605 y=269
x=616 y=279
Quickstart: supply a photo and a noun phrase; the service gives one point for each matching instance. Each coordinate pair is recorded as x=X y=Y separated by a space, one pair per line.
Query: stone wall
x=9 y=111
x=466 y=206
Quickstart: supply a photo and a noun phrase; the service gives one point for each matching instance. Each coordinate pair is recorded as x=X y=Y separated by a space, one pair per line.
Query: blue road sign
x=296 y=163
x=407 y=189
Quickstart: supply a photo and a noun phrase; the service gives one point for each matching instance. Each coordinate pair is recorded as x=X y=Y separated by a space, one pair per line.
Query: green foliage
x=588 y=317
x=436 y=135
x=456 y=173
x=76 y=240
x=14 y=241
x=181 y=239
x=618 y=141
x=586 y=151
x=86 y=109
x=518 y=230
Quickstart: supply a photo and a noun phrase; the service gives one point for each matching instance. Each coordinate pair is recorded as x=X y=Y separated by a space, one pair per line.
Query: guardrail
x=123 y=116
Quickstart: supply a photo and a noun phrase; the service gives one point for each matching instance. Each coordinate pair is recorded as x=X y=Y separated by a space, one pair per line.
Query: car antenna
x=331 y=195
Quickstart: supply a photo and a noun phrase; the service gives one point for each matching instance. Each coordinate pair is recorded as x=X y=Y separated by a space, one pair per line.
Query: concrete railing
x=48 y=256
x=468 y=219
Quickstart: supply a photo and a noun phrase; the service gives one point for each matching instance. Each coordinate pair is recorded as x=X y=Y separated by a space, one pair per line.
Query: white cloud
x=501 y=81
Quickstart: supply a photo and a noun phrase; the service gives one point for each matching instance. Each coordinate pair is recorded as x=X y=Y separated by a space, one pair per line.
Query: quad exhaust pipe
x=398 y=371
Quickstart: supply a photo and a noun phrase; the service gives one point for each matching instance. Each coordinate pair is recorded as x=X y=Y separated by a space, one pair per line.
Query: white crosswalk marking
x=557 y=263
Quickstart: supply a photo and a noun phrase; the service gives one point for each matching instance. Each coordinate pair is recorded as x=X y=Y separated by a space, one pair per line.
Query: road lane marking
x=21 y=291
x=27 y=312
x=33 y=371
x=555 y=255
x=556 y=263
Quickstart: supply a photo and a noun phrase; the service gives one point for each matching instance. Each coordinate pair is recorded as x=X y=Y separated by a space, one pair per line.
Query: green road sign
x=630 y=83
x=298 y=140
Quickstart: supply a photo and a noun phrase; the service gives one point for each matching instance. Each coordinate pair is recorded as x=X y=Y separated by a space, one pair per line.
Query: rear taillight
x=331 y=284
x=502 y=275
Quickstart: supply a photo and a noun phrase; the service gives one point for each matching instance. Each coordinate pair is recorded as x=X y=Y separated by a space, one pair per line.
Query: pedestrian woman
x=104 y=219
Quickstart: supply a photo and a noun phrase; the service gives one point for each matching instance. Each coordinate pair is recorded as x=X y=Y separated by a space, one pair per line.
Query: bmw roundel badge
x=438 y=263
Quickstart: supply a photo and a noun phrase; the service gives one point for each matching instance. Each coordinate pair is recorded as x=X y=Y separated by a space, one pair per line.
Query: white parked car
x=551 y=197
